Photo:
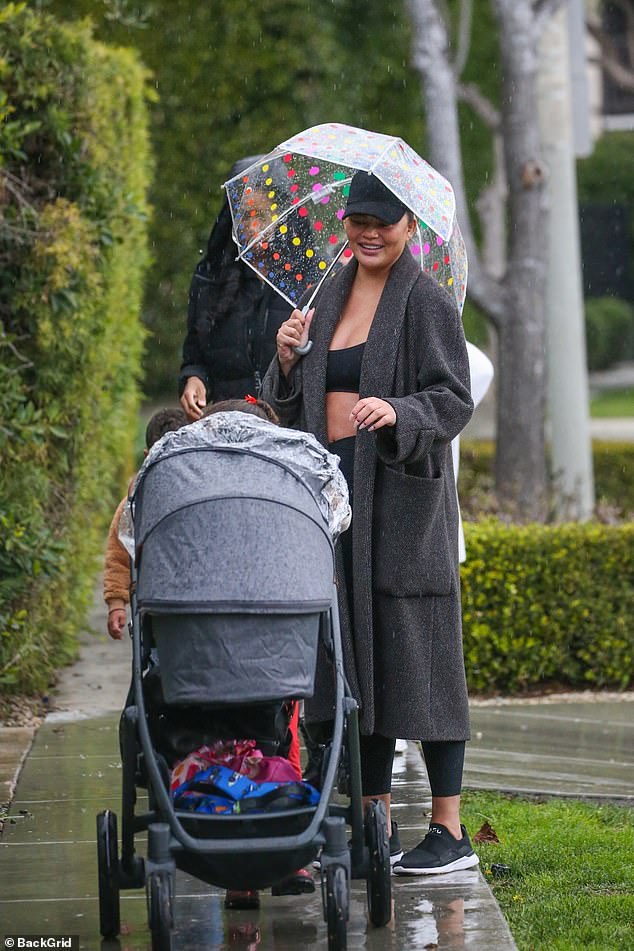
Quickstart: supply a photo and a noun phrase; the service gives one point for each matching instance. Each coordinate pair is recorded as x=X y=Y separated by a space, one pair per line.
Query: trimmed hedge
x=548 y=605
x=613 y=475
x=74 y=172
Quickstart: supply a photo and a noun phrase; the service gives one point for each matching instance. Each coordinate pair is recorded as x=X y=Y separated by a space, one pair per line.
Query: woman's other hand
x=372 y=413
x=293 y=333
x=194 y=398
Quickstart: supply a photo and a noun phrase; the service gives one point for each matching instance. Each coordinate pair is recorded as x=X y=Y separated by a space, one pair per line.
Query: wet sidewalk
x=48 y=859
x=571 y=745
x=48 y=867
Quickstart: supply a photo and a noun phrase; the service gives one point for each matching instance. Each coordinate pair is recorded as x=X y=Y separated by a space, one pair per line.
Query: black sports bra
x=343 y=369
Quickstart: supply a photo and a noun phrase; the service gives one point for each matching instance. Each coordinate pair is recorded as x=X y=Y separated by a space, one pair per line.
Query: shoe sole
x=467 y=861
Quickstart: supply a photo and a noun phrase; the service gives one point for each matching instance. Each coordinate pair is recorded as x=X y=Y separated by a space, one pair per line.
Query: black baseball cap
x=369 y=196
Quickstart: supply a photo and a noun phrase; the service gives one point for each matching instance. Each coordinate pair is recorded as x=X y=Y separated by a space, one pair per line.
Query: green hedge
x=547 y=605
x=613 y=476
x=74 y=171
x=609 y=331
x=606 y=177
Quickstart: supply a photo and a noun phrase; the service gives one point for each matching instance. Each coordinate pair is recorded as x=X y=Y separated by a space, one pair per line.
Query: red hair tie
x=250 y=399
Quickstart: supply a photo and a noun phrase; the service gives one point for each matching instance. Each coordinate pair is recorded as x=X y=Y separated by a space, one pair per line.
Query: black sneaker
x=396 y=852
x=438 y=852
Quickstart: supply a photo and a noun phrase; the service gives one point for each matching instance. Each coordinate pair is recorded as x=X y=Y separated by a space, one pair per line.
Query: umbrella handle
x=308 y=346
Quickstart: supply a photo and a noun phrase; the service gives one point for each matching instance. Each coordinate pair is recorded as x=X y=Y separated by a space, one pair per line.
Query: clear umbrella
x=288 y=208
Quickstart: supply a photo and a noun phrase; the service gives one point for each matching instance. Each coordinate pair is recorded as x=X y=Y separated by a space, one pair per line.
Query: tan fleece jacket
x=116 y=569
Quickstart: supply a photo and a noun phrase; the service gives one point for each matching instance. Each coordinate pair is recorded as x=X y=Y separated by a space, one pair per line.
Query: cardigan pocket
x=411 y=551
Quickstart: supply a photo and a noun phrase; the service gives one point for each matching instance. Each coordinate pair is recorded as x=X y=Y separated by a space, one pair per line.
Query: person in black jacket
x=232 y=323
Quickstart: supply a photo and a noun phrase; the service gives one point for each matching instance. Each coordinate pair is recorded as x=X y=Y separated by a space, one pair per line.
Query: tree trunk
x=515 y=304
x=520 y=456
x=431 y=60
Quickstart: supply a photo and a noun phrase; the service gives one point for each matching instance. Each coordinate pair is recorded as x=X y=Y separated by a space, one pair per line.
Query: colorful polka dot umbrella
x=288 y=208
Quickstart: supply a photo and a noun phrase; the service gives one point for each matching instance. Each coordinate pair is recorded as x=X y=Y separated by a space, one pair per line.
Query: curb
x=15 y=746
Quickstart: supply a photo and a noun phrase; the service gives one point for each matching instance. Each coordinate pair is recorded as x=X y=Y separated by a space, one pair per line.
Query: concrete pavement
x=566 y=745
x=48 y=867
x=72 y=771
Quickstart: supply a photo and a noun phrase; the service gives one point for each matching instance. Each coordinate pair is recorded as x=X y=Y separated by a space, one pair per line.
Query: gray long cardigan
x=403 y=659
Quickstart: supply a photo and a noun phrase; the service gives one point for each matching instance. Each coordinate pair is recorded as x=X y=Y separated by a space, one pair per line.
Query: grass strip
x=570 y=878
x=613 y=403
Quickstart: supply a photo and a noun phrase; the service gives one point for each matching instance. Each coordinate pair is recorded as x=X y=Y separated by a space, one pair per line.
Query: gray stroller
x=232 y=596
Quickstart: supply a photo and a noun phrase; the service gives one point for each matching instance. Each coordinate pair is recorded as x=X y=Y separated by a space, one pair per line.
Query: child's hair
x=164 y=421
x=249 y=404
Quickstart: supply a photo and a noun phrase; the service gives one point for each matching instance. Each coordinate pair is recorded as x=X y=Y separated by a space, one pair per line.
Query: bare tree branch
x=491 y=202
x=611 y=61
x=481 y=105
x=464 y=37
x=627 y=9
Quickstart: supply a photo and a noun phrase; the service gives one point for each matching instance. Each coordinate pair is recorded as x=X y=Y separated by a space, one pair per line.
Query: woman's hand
x=372 y=413
x=293 y=333
x=194 y=398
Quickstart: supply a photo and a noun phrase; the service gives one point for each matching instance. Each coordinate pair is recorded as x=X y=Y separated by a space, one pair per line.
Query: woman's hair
x=230 y=277
x=249 y=405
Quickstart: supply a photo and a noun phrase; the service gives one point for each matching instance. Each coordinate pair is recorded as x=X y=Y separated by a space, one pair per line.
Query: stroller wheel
x=379 y=882
x=159 y=894
x=336 y=907
x=108 y=869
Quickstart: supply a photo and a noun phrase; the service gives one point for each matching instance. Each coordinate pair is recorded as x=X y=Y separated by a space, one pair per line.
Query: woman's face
x=375 y=244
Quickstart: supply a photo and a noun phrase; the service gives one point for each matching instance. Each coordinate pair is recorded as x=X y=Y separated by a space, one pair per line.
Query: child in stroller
x=241 y=630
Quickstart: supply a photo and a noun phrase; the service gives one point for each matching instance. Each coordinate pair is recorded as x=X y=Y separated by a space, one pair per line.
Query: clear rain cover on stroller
x=299 y=450
x=233 y=520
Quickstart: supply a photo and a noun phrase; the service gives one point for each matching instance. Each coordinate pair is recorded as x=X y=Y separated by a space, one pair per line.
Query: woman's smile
x=375 y=243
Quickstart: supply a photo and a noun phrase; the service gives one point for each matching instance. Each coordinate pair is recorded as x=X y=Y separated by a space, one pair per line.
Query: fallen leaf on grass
x=486 y=834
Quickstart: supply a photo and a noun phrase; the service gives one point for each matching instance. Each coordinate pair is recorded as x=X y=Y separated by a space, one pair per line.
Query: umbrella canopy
x=288 y=208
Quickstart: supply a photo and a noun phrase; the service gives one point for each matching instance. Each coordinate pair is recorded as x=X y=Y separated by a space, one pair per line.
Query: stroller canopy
x=241 y=526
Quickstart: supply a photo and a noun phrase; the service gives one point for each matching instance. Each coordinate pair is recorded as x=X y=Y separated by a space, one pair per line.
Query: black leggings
x=444 y=760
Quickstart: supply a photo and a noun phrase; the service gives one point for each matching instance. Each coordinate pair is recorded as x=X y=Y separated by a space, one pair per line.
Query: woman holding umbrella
x=385 y=385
